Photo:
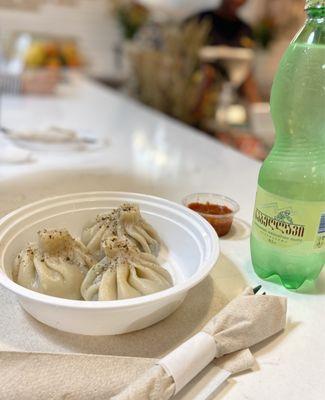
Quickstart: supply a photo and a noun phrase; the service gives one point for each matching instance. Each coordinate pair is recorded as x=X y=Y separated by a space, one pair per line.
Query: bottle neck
x=313 y=32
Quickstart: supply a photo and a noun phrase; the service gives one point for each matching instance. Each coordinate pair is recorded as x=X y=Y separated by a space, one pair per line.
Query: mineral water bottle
x=288 y=232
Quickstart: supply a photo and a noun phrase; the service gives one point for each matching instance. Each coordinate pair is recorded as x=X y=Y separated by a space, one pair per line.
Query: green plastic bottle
x=288 y=232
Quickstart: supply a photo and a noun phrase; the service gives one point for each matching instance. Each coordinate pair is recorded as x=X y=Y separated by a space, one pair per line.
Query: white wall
x=88 y=21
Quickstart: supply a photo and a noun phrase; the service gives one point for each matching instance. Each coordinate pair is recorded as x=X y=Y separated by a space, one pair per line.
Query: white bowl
x=192 y=244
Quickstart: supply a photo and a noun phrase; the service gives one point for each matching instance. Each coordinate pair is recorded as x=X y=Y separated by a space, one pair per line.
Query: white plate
x=192 y=249
x=84 y=141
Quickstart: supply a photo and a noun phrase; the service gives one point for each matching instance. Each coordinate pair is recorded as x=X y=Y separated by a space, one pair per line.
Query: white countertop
x=150 y=153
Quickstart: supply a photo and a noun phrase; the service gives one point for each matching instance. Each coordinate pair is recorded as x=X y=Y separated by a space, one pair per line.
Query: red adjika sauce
x=220 y=217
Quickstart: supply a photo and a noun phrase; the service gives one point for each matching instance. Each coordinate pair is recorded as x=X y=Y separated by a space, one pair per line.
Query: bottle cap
x=315 y=4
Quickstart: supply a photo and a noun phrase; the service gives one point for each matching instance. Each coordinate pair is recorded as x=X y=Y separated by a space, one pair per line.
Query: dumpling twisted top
x=125 y=220
x=56 y=266
x=124 y=272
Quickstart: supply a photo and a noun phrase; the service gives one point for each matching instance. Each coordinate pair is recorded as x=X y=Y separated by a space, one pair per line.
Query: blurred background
x=208 y=63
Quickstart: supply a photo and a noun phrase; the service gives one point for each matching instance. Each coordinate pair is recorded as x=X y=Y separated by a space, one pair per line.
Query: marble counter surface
x=146 y=152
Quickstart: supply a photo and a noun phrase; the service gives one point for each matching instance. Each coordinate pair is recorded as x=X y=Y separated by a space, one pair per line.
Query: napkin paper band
x=189 y=359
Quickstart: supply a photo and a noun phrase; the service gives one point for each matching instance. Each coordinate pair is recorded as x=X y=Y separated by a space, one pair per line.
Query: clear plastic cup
x=222 y=220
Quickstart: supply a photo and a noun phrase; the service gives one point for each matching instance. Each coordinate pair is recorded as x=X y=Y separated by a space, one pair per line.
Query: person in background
x=228 y=29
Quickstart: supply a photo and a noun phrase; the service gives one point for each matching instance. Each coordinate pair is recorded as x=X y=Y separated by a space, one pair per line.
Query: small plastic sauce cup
x=218 y=210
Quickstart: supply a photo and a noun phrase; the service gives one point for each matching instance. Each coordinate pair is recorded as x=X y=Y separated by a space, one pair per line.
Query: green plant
x=170 y=78
x=131 y=16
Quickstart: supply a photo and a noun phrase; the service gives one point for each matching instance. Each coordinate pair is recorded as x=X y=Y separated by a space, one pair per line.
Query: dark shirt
x=229 y=32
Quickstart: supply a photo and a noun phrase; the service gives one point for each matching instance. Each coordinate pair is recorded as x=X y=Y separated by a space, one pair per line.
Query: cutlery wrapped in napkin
x=244 y=322
x=57 y=376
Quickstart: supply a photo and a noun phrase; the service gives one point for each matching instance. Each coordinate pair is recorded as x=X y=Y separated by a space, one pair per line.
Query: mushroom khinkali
x=125 y=220
x=124 y=272
x=56 y=266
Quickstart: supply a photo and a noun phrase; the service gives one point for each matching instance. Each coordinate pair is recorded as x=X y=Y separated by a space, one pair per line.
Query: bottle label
x=286 y=223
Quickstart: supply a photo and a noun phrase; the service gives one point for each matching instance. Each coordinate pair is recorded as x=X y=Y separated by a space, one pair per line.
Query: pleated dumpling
x=96 y=231
x=55 y=266
x=125 y=272
x=136 y=228
x=125 y=220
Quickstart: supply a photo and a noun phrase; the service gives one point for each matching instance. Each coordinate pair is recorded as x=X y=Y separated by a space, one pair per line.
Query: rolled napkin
x=244 y=322
x=55 y=376
x=226 y=366
x=234 y=363
x=50 y=376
